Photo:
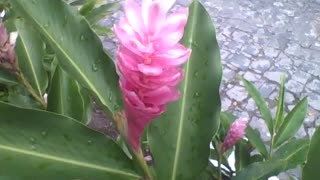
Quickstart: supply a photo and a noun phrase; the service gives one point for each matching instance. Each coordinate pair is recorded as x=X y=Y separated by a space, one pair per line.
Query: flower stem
x=143 y=164
x=30 y=89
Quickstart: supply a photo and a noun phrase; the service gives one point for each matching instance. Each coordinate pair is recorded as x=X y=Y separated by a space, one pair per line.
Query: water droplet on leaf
x=195 y=44
x=44 y=133
x=32 y=140
x=33 y=147
x=46 y=25
x=94 y=67
x=67 y=137
x=196 y=74
x=89 y=142
x=82 y=38
x=196 y=94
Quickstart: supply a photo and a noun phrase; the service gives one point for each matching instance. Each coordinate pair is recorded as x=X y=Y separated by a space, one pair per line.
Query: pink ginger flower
x=148 y=60
x=235 y=133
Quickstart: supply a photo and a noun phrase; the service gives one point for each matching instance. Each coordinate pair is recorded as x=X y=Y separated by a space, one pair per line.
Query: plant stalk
x=30 y=89
x=143 y=164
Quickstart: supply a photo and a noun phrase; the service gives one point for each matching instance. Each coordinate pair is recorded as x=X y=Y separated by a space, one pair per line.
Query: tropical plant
x=161 y=93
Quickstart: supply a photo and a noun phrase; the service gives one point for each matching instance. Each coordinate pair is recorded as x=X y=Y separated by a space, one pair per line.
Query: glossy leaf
x=7 y=78
x=30 y=52
x=185 y=130
x=311 y=169
x=37 y=144
x=101 y=12
x=242 y=155
x=252 y=135
x=292 y=122
x=260 y=170
x=280 y=106
x=87 y=7
x=294 y=152
x=65 y=97
x=79 y=50
x=261 y=104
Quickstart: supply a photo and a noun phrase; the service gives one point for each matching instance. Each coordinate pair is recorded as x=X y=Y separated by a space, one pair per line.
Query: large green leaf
x=252 y=135
x=41 y=145
x=294 y=152
x=66 y=97
x=30 y=53
x=80 y=52
x=292 y=122
x=311 y=169
x=179 y=139
x=261 y=170
x=7 y=78
x=261 y=104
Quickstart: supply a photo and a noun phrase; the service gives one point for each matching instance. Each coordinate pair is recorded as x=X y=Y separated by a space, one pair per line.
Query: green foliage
x=184 y=131
x=311 y=169
x=68 y=98
x=261 y=170
x=78 y=49
x=292 y=122
x=60 y=55
x=261 y=103
x=45 y=143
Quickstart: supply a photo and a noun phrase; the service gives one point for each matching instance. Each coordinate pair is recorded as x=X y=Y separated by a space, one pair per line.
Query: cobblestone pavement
x=260 y=40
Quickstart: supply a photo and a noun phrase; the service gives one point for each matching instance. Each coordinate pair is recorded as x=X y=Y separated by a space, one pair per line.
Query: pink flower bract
x=235 y=133
x=149 y=59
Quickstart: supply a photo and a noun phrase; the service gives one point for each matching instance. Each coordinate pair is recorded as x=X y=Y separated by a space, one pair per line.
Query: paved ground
x=260 y=40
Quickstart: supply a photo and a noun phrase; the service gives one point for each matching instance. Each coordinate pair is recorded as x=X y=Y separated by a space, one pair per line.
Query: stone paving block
x=260 y=65
x=294 y=86
x=240 y=61
x=274 y=76
x=314 y=85
x=237 y=93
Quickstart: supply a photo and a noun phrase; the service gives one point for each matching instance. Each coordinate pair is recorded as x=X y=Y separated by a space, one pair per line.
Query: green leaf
x=294 y=152
x=102 y=30
x=260 y=170
x=261 y=104
x=252 y=135
x=254 y=138
x=185 y=130
x=7 y=78
x=19 y=96
x=280 y=114
x=30 y=52
x=311 y=169
x=78 y=2
x=292 y=122
x=65 y=97
x=78 y=48
x=36 y=144
x=87 y=7
x=242 y=155
x=101 y=12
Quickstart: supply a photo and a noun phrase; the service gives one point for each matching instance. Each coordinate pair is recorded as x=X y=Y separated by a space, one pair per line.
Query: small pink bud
x=235 y=133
